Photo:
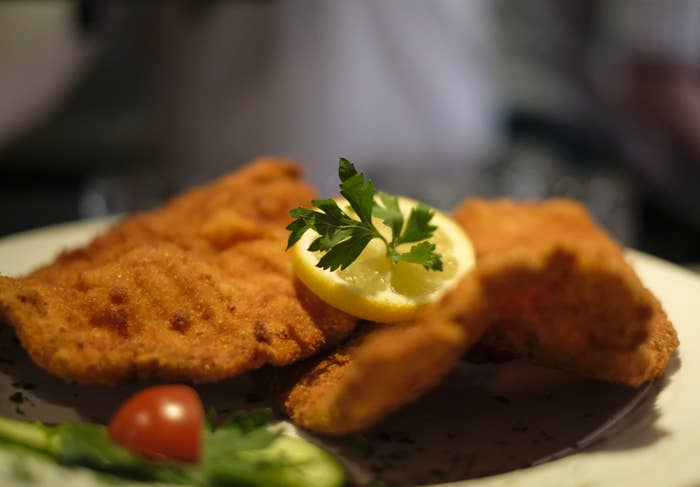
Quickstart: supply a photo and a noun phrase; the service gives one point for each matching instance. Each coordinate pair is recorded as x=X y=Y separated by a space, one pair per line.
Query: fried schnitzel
x=200 y=289
x=562 y=294
x=382 y=367
x=549 y=287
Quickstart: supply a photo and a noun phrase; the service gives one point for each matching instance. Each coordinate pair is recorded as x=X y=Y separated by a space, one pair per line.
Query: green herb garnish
x=343 y=237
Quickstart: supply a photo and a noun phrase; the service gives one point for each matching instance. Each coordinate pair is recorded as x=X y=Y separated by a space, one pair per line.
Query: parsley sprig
x=343 y=237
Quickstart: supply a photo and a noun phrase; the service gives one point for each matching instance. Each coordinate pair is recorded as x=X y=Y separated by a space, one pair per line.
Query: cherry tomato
x=162 y=422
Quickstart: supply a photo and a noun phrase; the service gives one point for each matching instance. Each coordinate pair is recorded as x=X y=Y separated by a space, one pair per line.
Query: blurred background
x=112 y=106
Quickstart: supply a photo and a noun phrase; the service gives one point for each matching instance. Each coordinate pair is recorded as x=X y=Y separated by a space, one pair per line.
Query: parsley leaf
x=418 y=225
x=358 y=192
x=390 y=213
x=342 y=235
x=424 y=254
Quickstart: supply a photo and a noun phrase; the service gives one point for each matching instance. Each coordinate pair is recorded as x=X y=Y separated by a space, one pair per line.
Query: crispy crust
x=562 y=293
x=382 y=367
x=200 y=290
x=550 y=287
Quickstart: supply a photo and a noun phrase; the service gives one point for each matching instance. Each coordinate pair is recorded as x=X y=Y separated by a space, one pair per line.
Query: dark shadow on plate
x=490 y=419
x=639 y=427
x=29 y=392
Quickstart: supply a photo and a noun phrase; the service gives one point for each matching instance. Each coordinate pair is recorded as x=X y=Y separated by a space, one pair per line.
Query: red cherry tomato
x=162 y=422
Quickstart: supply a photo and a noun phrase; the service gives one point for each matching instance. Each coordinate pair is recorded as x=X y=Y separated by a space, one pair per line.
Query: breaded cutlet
x=549 y=287
x=562 y=294
x=199 y=290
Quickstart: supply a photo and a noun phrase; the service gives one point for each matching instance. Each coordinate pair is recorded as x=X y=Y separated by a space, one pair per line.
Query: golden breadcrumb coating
x=199 y=290
x=382 y=367
x=549 y=287
x=562 y=294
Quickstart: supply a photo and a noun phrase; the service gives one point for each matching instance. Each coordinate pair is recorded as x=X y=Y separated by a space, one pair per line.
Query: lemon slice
x=375 y=289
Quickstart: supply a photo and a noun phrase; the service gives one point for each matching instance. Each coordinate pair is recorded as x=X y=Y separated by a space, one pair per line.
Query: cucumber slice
x=314 y=466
